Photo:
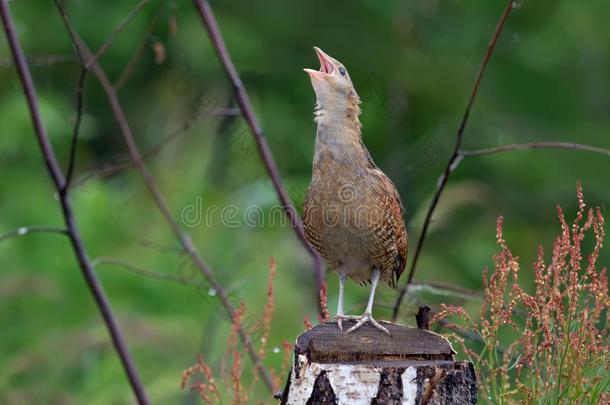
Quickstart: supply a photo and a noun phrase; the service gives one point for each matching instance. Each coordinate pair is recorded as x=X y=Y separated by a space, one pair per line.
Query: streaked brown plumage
x=352 y=213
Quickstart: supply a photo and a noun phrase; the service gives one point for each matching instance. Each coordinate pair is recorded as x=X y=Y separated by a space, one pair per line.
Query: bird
x=352 y=212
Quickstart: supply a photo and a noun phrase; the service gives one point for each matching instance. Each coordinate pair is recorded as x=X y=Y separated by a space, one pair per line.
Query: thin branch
x=79 y=113
x=159 y=247
x=72 y=229
x=221 y=112
x=27 y=230
x=437 y=287
x=103 y=172
x=535 y=145
x=132 y=14
x=455 y=156
x=243 y=101
x=181 y=236
x=137 y=56
x=466 y=334
x=124 y=164
x=113 y=261
x=76 y=129
x=41 y=60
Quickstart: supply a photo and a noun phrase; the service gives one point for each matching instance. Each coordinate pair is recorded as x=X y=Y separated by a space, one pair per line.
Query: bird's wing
x=394 y=244
x=312 y=222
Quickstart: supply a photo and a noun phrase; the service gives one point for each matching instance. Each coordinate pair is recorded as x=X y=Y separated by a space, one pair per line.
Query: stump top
x=325 y=343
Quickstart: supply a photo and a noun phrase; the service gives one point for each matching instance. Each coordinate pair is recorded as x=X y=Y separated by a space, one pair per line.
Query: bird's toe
x=358 y=325
x=378 y=326
x=364 y=318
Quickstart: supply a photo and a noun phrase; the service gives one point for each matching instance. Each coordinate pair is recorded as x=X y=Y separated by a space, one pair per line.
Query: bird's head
x=332 y=84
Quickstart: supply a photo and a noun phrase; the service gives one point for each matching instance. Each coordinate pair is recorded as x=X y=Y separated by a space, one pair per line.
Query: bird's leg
x=340 y=314
x=368 y=313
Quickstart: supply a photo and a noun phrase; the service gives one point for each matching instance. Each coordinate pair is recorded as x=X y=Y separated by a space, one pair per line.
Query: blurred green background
x=413 y=64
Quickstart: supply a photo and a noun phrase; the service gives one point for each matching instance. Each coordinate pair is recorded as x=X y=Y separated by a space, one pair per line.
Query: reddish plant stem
x=159 y=199
x=243 y=101
x=455 y=156
x=72 y=230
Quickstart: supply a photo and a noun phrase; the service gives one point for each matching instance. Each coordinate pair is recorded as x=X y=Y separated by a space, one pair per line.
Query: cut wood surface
x=412 y=366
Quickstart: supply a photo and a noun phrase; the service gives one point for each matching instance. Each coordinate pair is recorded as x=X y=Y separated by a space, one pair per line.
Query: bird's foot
x=340 y=318
x=361 y=320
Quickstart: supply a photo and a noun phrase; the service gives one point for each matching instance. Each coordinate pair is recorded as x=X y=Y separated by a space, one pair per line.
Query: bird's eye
x=342 y=71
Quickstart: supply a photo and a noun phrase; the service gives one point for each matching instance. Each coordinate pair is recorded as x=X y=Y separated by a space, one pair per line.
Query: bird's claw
x=341 y=318
x=361 y=320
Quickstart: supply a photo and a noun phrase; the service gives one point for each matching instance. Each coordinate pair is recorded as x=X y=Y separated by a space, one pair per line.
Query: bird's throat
x=338 y=138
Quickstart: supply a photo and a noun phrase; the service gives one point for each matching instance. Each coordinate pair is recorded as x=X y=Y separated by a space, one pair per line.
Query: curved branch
x=243 y=101
x=159 y=199
x=455 y=156
x=72 y=229
x=535 y=145
x=26 y=230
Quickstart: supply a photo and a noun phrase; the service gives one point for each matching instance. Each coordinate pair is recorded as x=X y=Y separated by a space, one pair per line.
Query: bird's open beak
x=327 y=67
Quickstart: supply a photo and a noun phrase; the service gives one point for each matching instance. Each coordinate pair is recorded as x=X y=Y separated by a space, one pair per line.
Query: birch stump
x=412 y=366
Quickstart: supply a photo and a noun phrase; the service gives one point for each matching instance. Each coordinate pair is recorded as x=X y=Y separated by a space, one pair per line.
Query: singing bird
x=352 y=213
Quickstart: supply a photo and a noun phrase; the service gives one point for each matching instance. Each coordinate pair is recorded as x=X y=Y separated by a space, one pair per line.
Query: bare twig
x=128 y=70
x=26 y=230
x=159 y=247
x=76 y=129
x=79 y=114
x=243 y=101
x=535 y=145
x=186 y=126
x=124 y=164
x=455 y=156
x=447 y=289
x=159 y=199
x=466 y=334
x=113 y=261
x=132 y=14
x=105 y=171
x=41 y=60
x=72 y=229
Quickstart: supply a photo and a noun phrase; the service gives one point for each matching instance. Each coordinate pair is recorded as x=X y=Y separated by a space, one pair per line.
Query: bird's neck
x=339 y=130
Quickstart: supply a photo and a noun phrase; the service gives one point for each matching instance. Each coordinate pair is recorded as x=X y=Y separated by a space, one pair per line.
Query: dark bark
x=323 y=393
x=390 y=388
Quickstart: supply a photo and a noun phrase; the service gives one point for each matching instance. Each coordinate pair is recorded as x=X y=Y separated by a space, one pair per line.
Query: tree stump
x=412 y=366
